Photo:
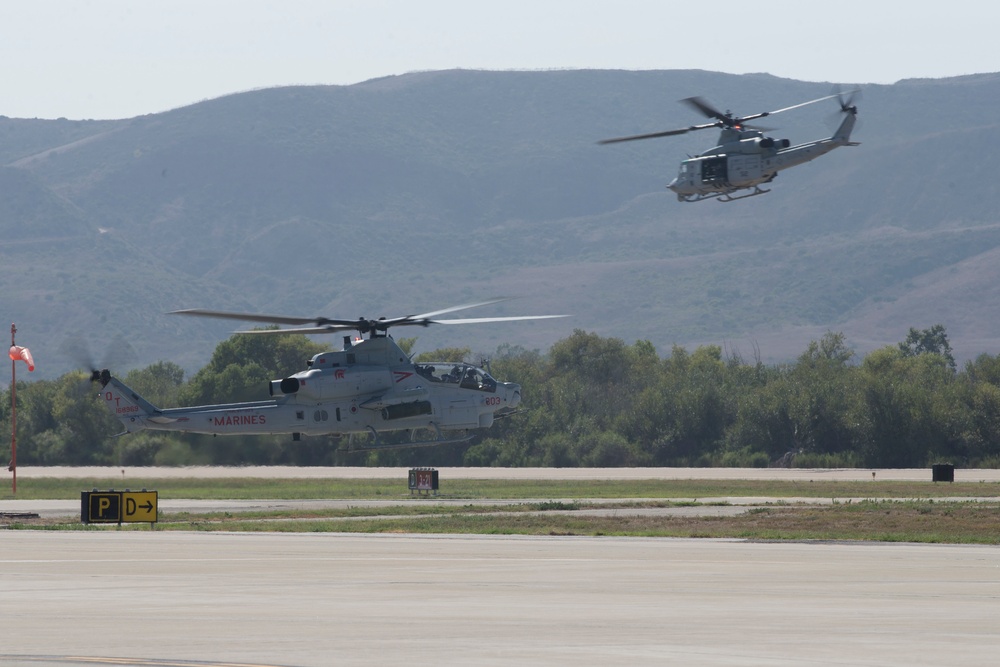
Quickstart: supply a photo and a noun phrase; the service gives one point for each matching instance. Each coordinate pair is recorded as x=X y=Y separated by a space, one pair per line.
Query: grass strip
x=924 y=521
x=43 y=488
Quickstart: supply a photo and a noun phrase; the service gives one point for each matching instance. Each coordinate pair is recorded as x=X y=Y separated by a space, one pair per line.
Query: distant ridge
x=420 y=191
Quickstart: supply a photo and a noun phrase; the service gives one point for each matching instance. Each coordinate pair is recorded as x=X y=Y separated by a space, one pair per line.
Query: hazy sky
x=123 y=58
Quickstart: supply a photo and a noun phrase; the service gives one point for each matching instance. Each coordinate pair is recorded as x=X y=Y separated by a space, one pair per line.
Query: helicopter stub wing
x=385 y=400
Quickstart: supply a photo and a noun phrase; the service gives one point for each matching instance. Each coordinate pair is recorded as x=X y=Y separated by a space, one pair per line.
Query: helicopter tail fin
x=843 y=134
x=124 y=403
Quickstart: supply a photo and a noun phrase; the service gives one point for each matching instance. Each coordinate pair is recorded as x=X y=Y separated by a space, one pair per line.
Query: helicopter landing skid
x=721 y=196
x=377 y=444
x=726 y=197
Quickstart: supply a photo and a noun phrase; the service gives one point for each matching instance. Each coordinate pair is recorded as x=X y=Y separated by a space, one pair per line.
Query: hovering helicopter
x=370 y=386
x=744 y=158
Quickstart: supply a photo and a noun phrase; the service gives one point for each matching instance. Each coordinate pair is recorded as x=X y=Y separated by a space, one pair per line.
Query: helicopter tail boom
x=137 y=414
x=129 y=407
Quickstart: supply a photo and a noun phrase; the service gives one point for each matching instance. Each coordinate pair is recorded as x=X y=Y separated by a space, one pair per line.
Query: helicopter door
x=744 y=169
x=713 y=170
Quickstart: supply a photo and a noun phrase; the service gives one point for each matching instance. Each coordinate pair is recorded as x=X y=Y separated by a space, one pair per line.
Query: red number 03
x=493 y=400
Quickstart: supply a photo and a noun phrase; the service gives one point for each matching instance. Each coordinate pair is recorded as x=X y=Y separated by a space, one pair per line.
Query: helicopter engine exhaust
x=284 y=387
x=768 y=142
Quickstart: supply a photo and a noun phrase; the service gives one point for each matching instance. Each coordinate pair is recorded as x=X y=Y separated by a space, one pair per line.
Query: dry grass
x=475 y=489
x=903 y=511
x=883 y=521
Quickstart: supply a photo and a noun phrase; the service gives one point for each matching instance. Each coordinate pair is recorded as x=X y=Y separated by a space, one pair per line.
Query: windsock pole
x=13 y=413
x=16 y=354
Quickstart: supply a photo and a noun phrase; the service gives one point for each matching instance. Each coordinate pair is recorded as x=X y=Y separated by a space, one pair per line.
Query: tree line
x=589 y=401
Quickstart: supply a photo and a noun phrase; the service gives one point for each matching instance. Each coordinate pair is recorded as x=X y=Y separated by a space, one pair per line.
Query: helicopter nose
x=513 y=394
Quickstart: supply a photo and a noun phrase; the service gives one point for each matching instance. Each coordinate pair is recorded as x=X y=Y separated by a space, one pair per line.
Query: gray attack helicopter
x=744 y=159
x=369 y=387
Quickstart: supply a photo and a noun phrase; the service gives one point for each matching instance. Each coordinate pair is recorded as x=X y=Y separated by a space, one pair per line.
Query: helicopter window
x=464 y=375
x=300 y=415
x=321 y=415
x=713 y=169
x=338 y=414
x=470 y=380
x=428 y=371
x=488 y=383
x=479 y=380
x=452 y=373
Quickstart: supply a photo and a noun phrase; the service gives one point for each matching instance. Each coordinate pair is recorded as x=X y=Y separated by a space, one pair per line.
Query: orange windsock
x=22 y=353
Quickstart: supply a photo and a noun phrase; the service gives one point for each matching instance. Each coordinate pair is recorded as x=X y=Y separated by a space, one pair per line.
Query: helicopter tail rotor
x=119 y=351
x=846 y=118
x=103 y=376
x=847 y=101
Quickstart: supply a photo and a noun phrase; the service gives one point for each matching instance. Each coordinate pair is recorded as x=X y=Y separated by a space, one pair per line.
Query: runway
x=127 y=474
x=312 y=600
x=302 y=600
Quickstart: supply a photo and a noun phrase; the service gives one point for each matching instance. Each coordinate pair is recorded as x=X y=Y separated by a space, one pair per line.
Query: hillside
x=412 y=193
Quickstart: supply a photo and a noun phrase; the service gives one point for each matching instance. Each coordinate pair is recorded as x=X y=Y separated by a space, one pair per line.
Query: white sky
x=123 y=58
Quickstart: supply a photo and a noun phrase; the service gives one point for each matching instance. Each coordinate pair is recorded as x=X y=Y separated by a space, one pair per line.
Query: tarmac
x=314 y=600
x=110 y=597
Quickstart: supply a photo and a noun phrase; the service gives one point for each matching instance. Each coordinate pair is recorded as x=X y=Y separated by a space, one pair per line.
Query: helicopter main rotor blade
x=435 y=313
x=329 y=329
x=252 y=317
x=246 y=317
x=700 y=104
x=795 y=106
x=424 y=319
x=334 y=328
x=324 y=325
x=485 y=320
x=656 y=135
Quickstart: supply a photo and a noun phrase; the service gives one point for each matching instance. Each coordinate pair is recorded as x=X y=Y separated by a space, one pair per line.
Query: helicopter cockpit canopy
x=464 y=376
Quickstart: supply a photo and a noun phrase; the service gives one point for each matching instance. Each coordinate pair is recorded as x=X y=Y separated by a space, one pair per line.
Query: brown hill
x=411 y=193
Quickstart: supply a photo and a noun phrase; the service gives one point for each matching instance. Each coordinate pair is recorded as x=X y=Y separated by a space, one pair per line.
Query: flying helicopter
x=744 y=159
x=370 y=386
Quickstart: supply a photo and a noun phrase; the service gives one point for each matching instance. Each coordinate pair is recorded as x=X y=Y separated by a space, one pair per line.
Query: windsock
x=22 y=353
